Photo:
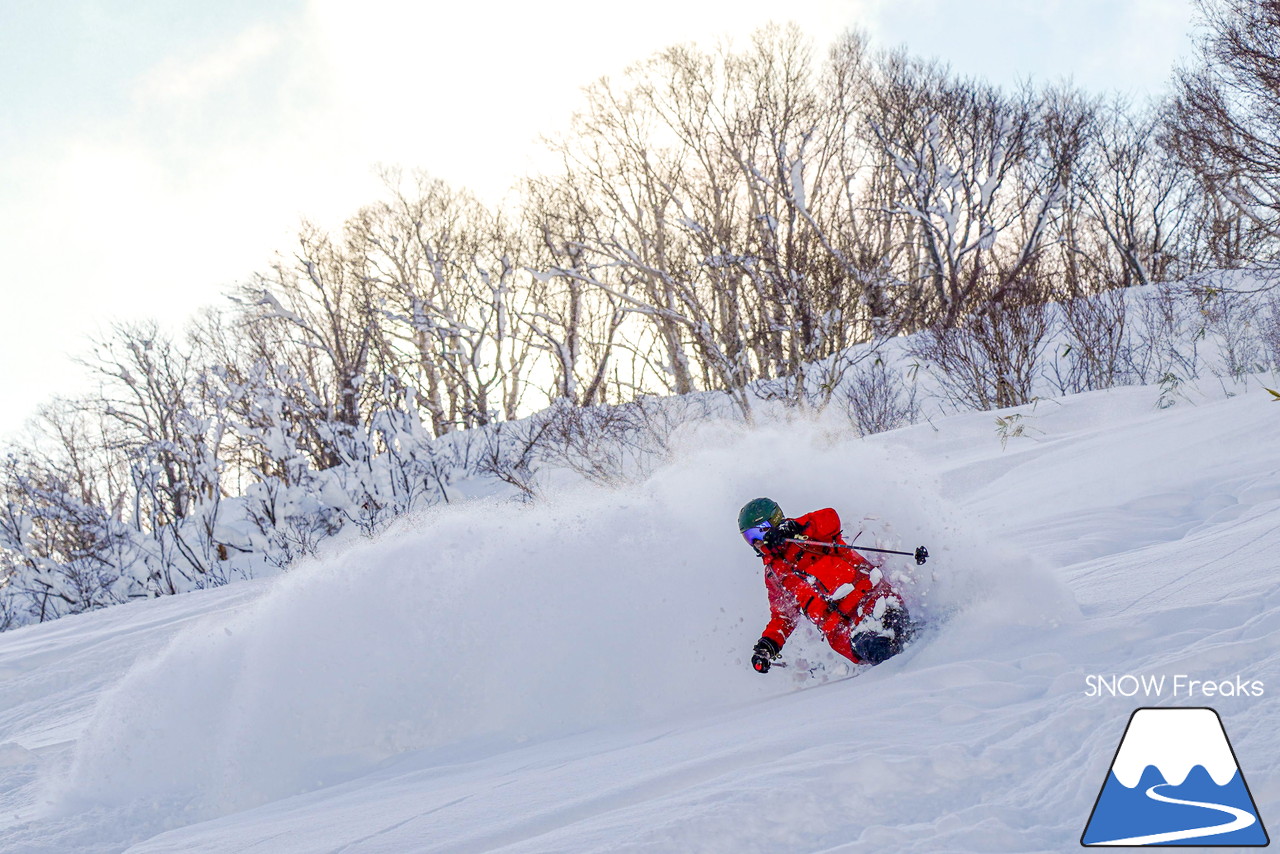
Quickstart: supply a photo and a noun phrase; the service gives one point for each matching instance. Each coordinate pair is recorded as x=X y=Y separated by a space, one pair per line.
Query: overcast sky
x=154 y=153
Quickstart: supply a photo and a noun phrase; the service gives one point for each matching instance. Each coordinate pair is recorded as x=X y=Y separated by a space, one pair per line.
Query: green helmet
x=759 y=510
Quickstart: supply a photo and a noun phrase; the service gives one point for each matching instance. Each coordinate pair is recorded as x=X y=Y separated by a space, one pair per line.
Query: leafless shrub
x=989 y=359
x=58 y=553
x=876 y=400
x=591 y=440
x=10 y=613
x=511 y=451
x=1167 y=338
x=1233 y=321
x=1095 y=355
x=285 y=530
x=1271 y=330
x=613 y=444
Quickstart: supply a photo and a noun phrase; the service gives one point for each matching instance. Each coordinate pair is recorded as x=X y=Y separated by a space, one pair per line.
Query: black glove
x=785 y=530
x=763 y=654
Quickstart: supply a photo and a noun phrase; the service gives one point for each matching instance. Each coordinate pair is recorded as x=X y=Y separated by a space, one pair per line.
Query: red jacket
x=832 y=587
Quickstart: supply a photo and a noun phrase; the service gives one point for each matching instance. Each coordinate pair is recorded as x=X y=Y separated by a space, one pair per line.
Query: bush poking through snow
x=877 y=400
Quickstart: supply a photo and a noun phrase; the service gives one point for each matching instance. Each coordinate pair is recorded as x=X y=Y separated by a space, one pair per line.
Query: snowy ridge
x=1174 y=744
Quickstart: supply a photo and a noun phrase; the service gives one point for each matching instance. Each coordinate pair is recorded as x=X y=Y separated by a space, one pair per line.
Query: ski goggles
x=756 y=534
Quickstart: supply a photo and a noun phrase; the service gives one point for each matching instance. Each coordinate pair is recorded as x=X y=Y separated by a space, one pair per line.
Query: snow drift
x=493 y=623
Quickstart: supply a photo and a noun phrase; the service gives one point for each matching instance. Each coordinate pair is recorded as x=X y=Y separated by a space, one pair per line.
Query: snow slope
x=572 y=676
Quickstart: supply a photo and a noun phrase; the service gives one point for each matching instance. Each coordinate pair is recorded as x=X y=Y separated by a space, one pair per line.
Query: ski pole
x=921 y=554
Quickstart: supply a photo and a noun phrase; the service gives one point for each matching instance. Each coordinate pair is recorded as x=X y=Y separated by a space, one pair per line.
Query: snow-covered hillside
x=572 y=675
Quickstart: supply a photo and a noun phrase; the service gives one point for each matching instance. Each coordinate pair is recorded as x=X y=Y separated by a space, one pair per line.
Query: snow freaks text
x=1178 y=685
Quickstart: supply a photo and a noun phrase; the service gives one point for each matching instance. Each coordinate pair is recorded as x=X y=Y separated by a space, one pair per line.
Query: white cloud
x=185 y=79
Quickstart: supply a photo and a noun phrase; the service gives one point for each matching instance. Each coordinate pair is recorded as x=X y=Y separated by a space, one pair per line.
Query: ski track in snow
x=573 y=677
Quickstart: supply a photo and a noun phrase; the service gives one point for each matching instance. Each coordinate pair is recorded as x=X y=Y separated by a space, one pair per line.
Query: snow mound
x=489 y=624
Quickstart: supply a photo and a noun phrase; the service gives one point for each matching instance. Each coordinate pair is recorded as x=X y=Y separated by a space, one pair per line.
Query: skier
x=845 y=596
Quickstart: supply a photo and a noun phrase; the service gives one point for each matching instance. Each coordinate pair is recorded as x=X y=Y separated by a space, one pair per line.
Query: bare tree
x=575 y=323
x=1067 y=129
x=973 y=185
x=317 y=325
x=1225 y=117
x=725 y=215
x=149 y=395
x=446 y=277
x=1137 y=196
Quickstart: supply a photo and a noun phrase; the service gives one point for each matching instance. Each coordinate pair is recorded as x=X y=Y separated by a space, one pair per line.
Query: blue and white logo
x=1175 y=781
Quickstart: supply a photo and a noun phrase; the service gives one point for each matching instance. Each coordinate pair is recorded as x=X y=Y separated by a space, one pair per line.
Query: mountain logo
x=1175 y=781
